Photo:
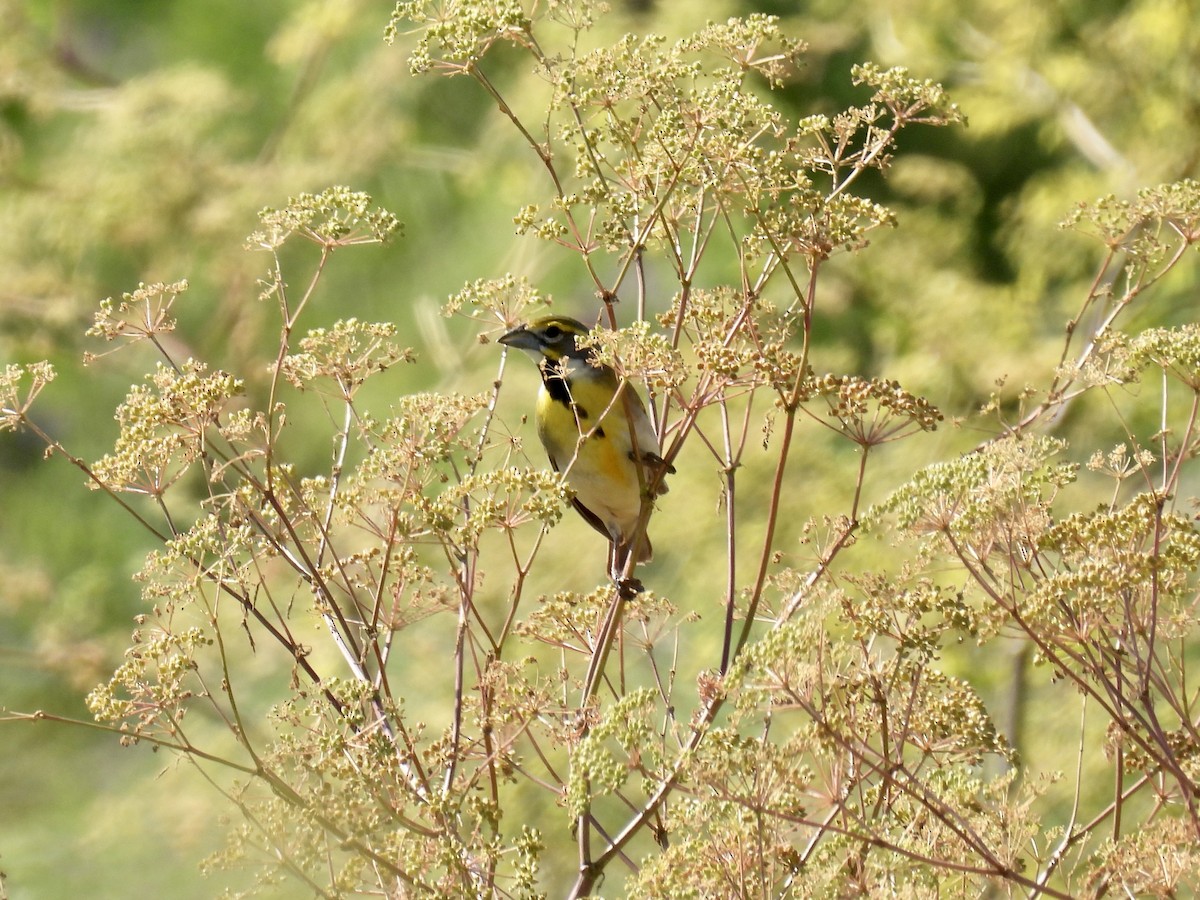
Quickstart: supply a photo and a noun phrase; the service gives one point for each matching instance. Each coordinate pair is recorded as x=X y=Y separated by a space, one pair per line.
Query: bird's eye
x=553 y=332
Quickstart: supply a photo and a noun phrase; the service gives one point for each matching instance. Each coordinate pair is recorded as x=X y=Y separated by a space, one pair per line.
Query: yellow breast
x=591 y=445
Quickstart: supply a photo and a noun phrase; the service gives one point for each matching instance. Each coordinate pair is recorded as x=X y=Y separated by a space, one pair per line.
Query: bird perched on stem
x=597 y=434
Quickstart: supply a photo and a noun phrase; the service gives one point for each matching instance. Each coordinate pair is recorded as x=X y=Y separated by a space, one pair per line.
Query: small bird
x=596 y=432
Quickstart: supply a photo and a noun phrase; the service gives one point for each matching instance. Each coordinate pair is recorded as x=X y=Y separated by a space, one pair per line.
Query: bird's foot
x=629 y=587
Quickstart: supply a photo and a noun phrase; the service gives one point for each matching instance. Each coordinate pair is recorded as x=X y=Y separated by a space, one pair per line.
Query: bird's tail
x=640 y=549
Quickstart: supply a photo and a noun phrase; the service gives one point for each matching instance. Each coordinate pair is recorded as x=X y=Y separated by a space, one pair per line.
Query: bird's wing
x=648 y=449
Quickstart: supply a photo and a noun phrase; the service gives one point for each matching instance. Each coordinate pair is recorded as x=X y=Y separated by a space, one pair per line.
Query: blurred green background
x=139 y=139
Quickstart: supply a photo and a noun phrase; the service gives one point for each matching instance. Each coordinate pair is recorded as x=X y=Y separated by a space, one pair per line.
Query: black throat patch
x=559 y=389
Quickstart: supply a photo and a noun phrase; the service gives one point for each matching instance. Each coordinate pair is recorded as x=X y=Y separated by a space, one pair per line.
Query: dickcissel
x=597 y=434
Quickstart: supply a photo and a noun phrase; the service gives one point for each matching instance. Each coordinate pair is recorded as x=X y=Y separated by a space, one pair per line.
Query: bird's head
x=551 y=338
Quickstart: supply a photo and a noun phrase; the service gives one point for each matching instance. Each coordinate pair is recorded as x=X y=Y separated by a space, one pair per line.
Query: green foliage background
x=138 y=141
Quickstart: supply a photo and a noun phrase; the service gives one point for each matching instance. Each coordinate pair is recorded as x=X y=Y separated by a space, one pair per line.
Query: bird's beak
x=521 y=338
